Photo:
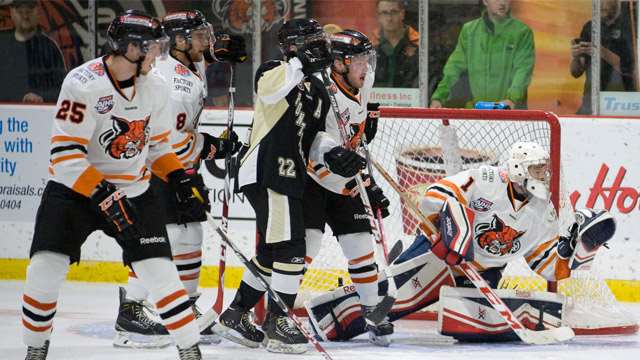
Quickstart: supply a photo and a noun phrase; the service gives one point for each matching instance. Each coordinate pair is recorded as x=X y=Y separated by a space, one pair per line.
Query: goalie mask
x=140 y=29
x=528 y=165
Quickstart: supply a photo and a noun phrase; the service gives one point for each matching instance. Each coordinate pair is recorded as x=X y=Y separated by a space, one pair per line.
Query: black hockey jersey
x=289 y=112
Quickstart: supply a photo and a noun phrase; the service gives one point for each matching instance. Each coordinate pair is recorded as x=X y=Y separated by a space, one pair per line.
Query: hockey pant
x=47 y=271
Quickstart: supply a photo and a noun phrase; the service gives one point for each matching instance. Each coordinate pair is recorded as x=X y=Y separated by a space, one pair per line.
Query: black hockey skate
x=283 y=336
x=192 y=353
x=379 y=329
x=236 y=326
x=135 y=328
x=207 y=336
x=37 y=353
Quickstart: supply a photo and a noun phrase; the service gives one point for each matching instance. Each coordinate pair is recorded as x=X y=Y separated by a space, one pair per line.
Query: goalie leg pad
x=336 y=315
x=467 y=316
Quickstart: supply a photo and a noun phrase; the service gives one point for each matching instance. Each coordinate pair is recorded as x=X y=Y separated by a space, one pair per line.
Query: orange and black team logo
x=497 y=238
x=126 y=139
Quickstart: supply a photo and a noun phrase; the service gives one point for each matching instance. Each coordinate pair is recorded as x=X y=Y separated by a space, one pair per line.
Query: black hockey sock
x=288 y=299
x=246 y=297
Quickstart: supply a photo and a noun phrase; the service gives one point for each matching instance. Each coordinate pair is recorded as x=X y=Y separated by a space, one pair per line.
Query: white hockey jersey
x=99 y=132
x=504 y=228
x=353 y=110
x=186 y=99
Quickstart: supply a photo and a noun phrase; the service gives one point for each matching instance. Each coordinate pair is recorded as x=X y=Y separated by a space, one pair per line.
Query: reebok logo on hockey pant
x=152 y=240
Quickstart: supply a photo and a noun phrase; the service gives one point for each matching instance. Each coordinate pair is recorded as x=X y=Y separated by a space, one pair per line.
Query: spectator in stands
x=32 y=65
x=616 y=67
x=396 y=46
x=497 y=52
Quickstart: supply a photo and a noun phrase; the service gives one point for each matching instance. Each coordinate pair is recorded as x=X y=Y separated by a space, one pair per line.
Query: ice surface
x=83 y=330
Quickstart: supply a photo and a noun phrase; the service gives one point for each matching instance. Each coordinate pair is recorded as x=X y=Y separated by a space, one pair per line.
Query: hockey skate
x=135 y=328
x=192 y=353
x=236 y=326
x=37 y=353
x=207 y=336
x=283 y=336
x=379 y=329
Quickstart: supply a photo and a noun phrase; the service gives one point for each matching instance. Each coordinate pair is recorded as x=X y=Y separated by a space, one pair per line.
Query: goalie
x=488 y=216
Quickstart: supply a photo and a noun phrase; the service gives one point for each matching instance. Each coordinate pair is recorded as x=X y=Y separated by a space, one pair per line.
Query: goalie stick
x=251 y=267
x=541 y=337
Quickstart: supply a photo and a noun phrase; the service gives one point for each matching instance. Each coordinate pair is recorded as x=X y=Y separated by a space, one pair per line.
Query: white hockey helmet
x=528 y=165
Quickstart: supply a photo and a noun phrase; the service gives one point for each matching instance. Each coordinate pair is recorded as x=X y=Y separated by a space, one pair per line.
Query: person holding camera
x=616 y=69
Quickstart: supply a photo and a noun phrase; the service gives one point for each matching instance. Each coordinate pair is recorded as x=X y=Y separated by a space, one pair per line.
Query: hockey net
x=420 y=146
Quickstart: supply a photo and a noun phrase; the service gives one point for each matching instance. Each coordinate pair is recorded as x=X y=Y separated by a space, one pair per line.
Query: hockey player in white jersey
x=329 y=197
x=488 y=216
x=109 y=134
x=191 y=37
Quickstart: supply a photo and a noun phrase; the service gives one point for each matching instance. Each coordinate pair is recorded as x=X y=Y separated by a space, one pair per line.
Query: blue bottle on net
x=490 y=105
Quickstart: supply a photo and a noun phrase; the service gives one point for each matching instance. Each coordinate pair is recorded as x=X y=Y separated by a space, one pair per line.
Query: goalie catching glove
x=592 y=229
x=454 y=242
x=218 y=147
x=374 y=192
x=191 y=195
x=343 y=162
x=118 y=211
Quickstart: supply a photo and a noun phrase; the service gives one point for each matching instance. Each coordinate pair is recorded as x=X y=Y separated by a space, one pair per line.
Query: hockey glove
x=592 y=229
x=315 y=56
x=117 y=210
x=191 y=194
x=229 y=48
x=219 y=147
x=454 y=243
x=374 y=193
x=343 y=162
x=371 y=124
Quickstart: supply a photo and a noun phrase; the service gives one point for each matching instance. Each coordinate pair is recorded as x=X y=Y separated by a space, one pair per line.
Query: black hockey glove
x=219 y=147
x=343 y=162
x=315 y=56
x=191 y=194
x=229 y=48
x=371 y=124
x=117 y=210
x=374 y=192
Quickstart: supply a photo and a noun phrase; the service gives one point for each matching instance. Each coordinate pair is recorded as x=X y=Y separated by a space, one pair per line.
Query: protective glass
x=204 y=33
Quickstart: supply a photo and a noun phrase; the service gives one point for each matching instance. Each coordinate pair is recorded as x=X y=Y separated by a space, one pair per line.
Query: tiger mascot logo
x=497 y=238
x=126 y=139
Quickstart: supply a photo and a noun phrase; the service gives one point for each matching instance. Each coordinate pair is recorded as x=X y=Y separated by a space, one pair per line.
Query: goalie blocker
x=422 y=279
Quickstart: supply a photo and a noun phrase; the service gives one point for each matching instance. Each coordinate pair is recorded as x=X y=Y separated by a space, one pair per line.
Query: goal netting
x=420 y=146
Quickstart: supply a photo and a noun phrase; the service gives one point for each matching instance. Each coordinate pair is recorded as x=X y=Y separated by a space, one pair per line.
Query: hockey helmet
x=528 y=165
x=301 y=33
x=184 y=23
x=138 y=28
x=352 y=46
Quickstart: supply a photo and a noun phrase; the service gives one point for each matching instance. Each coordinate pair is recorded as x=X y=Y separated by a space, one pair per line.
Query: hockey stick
x=217 y=306
x=542 y=337
x=272 y=293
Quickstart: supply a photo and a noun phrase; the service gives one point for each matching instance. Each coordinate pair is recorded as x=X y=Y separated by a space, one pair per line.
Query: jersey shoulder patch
x=489 y=175
x=87 y=74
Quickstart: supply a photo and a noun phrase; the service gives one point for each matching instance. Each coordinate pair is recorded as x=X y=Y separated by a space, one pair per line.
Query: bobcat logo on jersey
x=497 y=238
x=126 y=139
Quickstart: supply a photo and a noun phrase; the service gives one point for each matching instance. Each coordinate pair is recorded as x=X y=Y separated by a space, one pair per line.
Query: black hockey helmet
x=299 y=32
x=347 y=44
x=184 y=23
x=135 y=27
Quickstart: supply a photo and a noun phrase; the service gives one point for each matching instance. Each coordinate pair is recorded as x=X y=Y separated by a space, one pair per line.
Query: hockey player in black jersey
x=290 y=109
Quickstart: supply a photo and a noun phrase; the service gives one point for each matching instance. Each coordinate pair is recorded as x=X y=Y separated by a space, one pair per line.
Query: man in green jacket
x=497 y=52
